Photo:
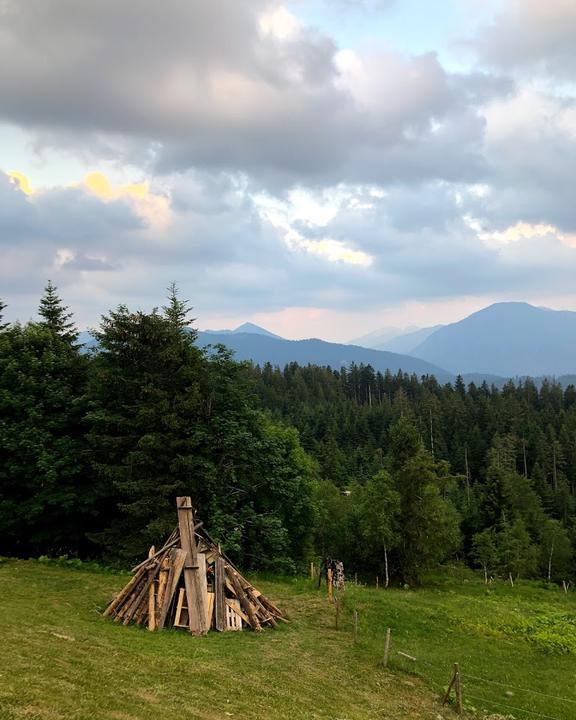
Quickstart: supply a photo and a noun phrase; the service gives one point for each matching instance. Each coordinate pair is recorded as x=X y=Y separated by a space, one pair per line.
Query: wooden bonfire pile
x=189 y=583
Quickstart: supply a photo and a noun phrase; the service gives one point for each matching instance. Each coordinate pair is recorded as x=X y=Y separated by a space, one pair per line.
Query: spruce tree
x=177 y=311
x=3 y=325
x=55 y=315
x=45 y=491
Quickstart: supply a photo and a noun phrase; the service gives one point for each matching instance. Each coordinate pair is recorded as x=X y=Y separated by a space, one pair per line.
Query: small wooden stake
x=511 y=579
x=387 y=646
x=564 y=586
x=355 y=636
x=455 y=683
x=458 y=688
x=329 y=583
x=408 y=657
x=312 y=573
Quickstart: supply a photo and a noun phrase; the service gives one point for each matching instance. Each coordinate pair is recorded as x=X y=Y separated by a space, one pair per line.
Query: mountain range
x=262 y=348
x=508 y=339
x=504 y=340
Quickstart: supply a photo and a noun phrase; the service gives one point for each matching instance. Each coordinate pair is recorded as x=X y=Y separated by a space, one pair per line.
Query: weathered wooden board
x=195 y=593
x=219 y=598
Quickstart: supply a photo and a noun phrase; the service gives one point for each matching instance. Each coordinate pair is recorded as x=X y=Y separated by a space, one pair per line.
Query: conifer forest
x=395 y=475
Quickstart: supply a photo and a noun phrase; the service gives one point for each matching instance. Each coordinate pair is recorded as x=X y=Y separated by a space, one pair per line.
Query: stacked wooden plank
x=189 y=583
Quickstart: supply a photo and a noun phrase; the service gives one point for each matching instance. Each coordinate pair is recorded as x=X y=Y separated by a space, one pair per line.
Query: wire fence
x=470 y=682
x=409 y=659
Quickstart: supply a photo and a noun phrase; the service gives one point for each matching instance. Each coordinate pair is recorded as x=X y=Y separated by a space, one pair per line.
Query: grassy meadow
x=60 y=659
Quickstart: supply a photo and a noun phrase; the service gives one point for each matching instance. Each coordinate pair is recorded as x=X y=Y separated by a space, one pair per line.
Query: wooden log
x=122 y=609
x=177 y=560
x=263 y=614
x=123 y=594
x=152 y=598
x=219 y=597
x=140 y=598
x=162 y=582
x=170 y=543
x=195 y=598
x=244 y=602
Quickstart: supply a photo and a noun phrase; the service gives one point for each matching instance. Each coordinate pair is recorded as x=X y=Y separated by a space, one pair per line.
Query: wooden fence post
x=455 y=683
x=458 y=686
x=387 y=646
x=329 y=584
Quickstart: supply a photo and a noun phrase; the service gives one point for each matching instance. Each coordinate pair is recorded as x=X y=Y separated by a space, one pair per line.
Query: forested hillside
x=504 y=460
x=393 y=474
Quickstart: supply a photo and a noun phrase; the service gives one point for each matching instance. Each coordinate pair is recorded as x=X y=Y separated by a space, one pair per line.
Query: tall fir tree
x=55 y=315
x=177 y=311
x=3 y=325
x=45 y=491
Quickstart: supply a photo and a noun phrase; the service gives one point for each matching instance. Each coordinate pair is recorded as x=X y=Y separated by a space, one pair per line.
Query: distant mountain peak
x=250 y=327
x=247 y=327
x=508 y=339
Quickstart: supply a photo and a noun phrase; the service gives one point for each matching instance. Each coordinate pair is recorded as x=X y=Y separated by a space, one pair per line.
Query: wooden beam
x=195 y=596
x=177 y=560
x=219 y=597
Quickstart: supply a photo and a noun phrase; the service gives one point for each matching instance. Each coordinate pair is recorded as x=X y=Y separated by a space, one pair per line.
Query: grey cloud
x=532 y=35
x=184 y=84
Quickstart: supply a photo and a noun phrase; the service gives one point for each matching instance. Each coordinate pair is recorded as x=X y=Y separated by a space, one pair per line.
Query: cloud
x=530 y=35
x=275 y=168
x=340 y=249
x=235 y=86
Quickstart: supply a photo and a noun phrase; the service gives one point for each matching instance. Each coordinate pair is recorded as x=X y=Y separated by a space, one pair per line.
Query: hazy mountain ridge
x=261 y=349
x=247 y=327
x=509 y=339
x=501 y=342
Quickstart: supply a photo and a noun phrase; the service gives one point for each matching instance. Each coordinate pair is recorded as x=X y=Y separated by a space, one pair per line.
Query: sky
x=319 y=167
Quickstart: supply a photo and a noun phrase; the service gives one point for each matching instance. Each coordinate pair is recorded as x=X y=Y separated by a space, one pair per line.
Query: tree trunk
x=386 y=577
x=550 y=561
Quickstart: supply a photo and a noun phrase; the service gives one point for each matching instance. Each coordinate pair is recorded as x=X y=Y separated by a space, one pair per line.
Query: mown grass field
x=59 y=659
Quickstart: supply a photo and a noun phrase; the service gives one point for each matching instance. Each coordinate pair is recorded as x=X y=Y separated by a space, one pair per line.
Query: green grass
x=60 y=659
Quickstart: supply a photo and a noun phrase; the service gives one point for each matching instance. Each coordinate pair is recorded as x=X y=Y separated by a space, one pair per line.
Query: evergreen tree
x=45 y=490
x=3 y=325
x=143 y=426
x=177 y=311
x=429 y=522
x=55 y=315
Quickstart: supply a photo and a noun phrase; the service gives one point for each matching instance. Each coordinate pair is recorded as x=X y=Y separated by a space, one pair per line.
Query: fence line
x=514 y=687
x=512 y=707
x=467 y=676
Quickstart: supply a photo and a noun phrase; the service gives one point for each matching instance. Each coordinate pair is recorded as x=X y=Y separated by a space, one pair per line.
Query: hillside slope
x=61 y=659
x=261 y=349
x=507 y=339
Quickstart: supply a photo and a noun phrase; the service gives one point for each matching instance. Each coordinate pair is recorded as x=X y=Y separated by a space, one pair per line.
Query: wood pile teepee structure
x=189 y=583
